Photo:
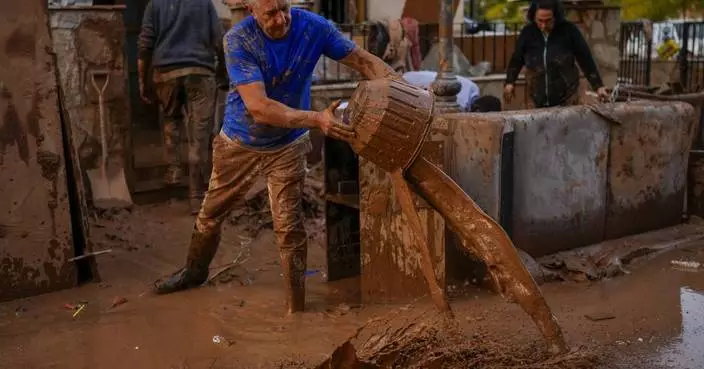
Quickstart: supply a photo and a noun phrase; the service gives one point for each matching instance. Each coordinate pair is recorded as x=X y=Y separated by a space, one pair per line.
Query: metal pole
x=446 y=85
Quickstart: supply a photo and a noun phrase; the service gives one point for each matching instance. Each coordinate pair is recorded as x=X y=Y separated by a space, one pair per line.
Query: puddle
x=687 y=351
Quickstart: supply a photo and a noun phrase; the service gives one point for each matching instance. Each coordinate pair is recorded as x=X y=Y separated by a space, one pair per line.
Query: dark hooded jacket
x=551 y=61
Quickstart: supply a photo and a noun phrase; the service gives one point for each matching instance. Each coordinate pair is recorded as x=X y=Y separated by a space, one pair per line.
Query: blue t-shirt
x=285 y=67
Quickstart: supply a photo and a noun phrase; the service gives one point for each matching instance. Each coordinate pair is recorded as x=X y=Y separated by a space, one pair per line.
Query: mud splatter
x=33 y=117
x=50 y=164
x=14 y=274
x=21 y=43
x=12 y=132
x=53 y=248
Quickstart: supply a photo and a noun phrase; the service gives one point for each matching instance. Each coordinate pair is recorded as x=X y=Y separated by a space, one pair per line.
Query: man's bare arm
x=368 y=65
x=271 y=112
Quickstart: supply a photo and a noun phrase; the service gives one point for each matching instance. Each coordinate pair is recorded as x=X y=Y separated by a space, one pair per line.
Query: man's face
x=273 y=16
x=544 y=20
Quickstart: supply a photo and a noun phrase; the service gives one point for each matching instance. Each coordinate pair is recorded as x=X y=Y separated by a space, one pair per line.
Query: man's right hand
x=509 y=93
x=332 y=127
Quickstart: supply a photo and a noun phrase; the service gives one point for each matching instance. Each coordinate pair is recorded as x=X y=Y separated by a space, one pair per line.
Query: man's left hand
x=332 y=127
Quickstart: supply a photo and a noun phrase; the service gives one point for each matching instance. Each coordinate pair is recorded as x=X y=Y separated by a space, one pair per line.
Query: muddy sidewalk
x=651 y=318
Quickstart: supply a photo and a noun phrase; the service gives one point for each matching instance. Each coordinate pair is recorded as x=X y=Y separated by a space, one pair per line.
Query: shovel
x=109 y=187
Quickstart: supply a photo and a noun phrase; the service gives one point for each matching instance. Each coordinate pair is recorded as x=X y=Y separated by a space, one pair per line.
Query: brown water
x=655 y=303
x=687 y=350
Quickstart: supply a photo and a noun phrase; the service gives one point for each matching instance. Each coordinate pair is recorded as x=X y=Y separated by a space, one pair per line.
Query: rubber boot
x=196 y=188
x=293 y=265
x=200 y=254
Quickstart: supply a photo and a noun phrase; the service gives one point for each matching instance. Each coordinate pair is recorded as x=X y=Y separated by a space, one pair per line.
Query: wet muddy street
x=651 y=318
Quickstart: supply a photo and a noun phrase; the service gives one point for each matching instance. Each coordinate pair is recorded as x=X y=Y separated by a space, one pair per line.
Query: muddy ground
x=657 y=315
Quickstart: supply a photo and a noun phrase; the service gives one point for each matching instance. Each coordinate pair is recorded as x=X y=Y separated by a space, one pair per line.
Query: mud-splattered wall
x=89 y=40
x=35 y=222
x=577 y=178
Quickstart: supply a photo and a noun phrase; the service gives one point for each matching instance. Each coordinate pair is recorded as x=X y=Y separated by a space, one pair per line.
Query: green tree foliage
x=655 y=10
x=509 y=11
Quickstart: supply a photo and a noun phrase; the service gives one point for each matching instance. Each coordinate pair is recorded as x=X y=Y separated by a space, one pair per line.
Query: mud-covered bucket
x=391 y=119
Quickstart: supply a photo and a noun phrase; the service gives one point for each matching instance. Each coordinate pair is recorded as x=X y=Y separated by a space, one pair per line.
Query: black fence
x=691 y=55
x=639 y=46
x=636 y=54
x=479 y=42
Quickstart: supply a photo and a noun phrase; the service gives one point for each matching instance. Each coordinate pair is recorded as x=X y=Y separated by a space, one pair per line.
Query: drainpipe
x=446 y=85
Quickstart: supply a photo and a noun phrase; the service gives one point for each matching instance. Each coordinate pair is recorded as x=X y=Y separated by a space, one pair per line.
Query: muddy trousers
x=187 y=103
x=235 y=168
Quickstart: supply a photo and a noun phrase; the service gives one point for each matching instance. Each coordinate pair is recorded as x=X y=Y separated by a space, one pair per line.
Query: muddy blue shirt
x=285 y=67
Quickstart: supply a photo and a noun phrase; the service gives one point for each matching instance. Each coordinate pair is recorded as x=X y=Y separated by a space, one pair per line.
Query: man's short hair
x=485 y=104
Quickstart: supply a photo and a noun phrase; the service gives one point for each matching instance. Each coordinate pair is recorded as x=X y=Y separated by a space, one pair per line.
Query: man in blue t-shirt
x=270 y=59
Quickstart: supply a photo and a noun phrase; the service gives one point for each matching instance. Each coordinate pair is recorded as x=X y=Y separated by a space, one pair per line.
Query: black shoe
x=200 y=254
x=182 y=280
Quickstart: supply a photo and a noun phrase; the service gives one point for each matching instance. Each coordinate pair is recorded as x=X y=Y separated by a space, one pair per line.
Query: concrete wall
x=577 y=179
x=493 y=85
x=36 y=238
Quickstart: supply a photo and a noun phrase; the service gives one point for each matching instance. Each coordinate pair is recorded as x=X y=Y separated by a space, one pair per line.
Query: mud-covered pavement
x=654 y=317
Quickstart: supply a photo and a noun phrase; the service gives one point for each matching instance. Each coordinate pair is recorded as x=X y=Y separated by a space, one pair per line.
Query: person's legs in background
x=171 y=96
x=200 y=105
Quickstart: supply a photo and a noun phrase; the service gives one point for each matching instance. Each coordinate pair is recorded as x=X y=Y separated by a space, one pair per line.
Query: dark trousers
x=187 y=103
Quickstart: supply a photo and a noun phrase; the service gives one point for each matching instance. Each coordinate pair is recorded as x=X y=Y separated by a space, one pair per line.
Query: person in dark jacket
x=548 y=46
x=180 y=43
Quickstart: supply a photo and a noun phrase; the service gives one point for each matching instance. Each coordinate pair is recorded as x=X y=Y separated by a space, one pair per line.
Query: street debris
x=415 y=339
x=79 y=310
x=224 y=274
x=609 y=259
x=118 y=301
x=597 y=317
x=686 y=264
x=218 y=340
x=90 y=254
x=20 y=310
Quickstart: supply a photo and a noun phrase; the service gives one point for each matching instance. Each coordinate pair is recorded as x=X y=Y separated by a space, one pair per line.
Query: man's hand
x=332 y=127
x=603 y=95
x=144 y=92
x=509 y=92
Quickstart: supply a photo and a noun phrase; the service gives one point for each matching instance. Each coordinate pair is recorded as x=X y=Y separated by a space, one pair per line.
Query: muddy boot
x=200 y=254
x=293 y=265
x=173 y=175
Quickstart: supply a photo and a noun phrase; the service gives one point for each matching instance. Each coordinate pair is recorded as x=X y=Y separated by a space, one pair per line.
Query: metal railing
x=636 y=54
x=484 y=42
x=639 y=47
x=691 y=55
